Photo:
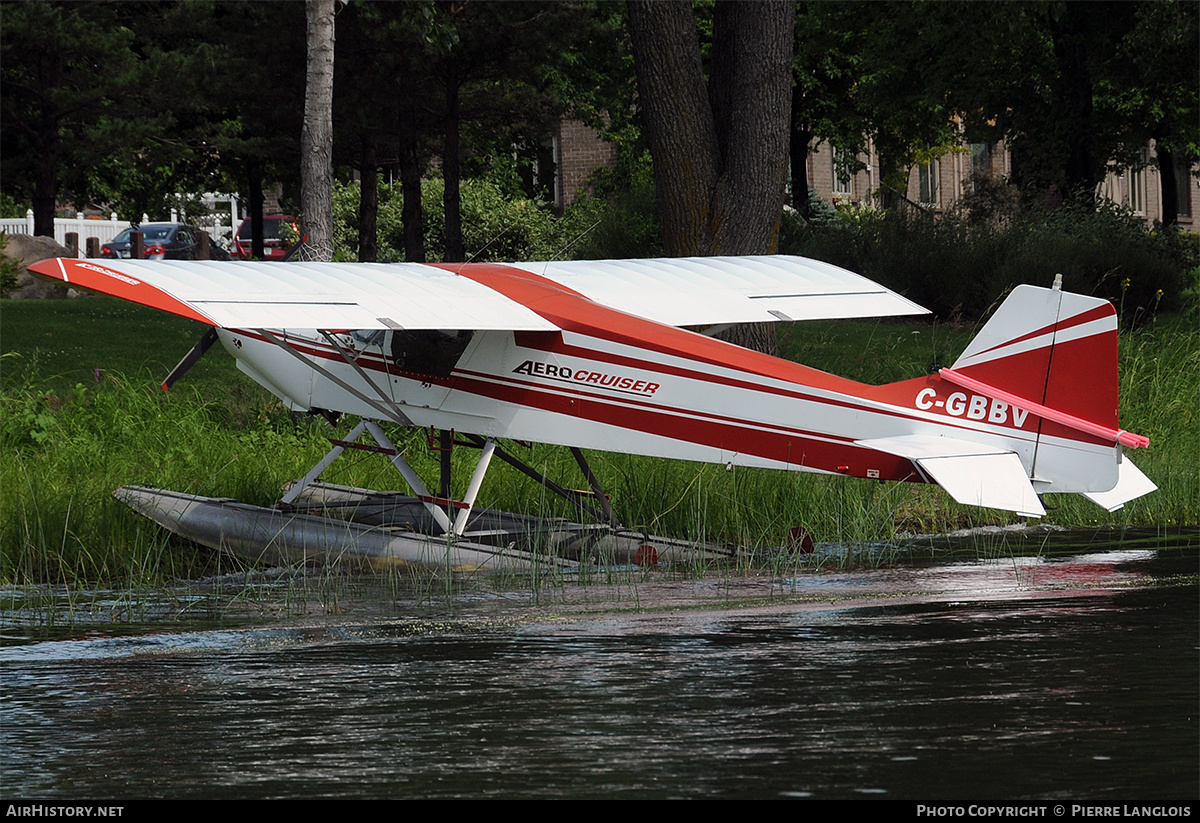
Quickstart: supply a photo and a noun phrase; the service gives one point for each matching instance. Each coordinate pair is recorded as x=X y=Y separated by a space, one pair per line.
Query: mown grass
x=81 y=414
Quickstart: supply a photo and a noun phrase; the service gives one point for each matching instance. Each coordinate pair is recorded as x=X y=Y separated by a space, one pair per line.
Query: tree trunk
x=368 y=204
x=798 y=158
x=412 y=215
x=254 y=179
x=45 y=195
x=1168 y=184
x=751 y=90
x=46 y=145
x=45 y=187
x=720 y=150
x=1081 y=174
x=316 y=137
x=451 y=198
x=887 y=182
x=679 y=122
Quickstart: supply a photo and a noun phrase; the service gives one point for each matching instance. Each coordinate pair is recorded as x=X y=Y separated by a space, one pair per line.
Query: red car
x=280 y=233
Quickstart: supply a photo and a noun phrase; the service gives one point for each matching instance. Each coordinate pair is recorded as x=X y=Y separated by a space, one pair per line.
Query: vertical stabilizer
x=1052 y=347
x=1054 y=354
x=1030 y=407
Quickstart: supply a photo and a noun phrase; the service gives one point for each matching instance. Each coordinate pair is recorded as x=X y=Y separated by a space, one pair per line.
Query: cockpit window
x=428 y=351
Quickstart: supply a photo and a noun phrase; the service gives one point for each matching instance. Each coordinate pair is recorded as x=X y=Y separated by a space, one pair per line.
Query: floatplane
x=595 y=355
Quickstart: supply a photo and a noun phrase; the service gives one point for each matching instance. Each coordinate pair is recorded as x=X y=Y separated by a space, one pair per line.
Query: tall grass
x=64 y=455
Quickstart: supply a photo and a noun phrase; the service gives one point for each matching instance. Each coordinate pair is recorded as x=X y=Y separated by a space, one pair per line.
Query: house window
x=1110 y=189
x=1136 y=180
x=981 y=162
x=930 y=177
x=842 y=178
x=537 y=167
x=1183 y=188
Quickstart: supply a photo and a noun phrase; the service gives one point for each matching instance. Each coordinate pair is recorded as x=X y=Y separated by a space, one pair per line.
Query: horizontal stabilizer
x=1131 y=484
x=972 y=474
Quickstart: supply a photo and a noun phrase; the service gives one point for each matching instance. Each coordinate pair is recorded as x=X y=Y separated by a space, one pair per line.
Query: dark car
x=280 y=233
x=163 y=241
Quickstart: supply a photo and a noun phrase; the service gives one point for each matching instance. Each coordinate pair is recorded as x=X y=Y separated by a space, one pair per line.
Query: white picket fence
x=222 y=207
x=102 y=230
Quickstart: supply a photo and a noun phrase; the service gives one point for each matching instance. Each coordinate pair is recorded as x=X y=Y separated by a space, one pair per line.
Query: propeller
x=191 y=358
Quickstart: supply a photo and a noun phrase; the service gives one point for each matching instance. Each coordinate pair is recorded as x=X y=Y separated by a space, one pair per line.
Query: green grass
x=61 y=343
x=81 y=414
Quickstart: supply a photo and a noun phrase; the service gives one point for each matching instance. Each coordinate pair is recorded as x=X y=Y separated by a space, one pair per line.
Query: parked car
x=280 y=233
x=163 y=241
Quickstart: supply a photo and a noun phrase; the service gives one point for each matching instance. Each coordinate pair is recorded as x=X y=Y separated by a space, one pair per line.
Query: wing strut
x=576 y=498
x=391 y=404
x=387 y=408
x=191 y=358
x=601 y=497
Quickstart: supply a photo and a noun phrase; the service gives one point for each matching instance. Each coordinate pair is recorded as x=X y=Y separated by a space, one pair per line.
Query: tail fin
x=1059 y=350
x=1052 y=347
x=1038 y=384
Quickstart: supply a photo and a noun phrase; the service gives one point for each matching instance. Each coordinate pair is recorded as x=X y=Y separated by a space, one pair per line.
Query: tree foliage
x=1075 y=88
x=69 y=95
x=124 y=105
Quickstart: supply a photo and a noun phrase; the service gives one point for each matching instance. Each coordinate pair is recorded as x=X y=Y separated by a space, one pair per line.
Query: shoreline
x=337 y=600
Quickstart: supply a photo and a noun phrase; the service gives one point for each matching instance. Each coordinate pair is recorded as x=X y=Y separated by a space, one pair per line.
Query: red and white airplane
x=592 y=354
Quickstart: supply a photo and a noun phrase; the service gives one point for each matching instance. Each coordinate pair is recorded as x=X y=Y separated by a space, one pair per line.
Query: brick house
x=577 y=151
x=562 y=164
x=938 y=186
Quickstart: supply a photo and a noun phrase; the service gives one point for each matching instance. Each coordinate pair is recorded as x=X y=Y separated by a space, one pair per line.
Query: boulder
x=24 y=249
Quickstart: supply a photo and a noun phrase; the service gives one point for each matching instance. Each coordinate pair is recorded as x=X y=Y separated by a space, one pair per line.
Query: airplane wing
x=261 y=295
x=695 y=291
x=973 y=474
x=683 y=291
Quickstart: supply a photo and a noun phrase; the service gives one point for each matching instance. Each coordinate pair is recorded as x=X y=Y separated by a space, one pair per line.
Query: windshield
x=156 y=232
x=149 y=233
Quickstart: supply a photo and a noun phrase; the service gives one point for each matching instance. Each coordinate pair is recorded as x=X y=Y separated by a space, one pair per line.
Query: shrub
x=961 y=264
x=496 y=227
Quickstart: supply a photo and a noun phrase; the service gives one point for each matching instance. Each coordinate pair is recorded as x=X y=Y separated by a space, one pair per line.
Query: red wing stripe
x=574 y=312
x=90 y=275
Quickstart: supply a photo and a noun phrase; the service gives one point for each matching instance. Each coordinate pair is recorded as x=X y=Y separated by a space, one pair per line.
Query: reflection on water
x=1063 y=678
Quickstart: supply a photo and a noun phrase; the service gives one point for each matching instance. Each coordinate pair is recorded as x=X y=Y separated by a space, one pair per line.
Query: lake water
x=1064 y=677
